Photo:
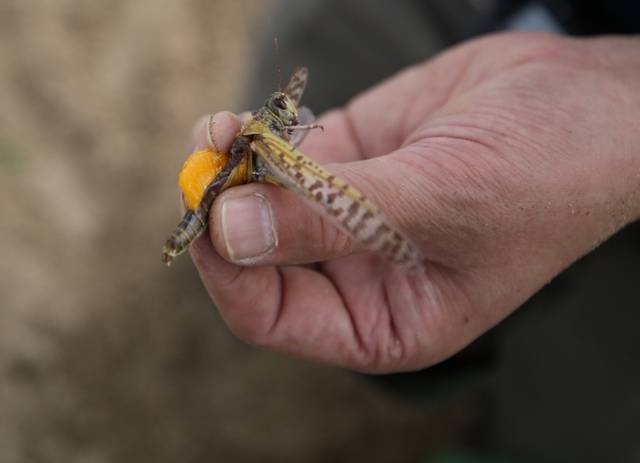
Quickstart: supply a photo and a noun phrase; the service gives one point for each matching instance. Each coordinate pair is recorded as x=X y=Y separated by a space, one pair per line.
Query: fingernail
x=247 y=228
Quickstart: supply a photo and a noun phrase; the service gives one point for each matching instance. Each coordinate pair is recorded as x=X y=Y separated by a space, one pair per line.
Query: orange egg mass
x=198 y=171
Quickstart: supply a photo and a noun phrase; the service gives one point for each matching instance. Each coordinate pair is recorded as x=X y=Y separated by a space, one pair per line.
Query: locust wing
x=296 y=85
x=346 y=206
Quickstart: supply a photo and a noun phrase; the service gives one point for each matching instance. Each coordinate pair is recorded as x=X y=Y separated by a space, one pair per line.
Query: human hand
x=505 y=159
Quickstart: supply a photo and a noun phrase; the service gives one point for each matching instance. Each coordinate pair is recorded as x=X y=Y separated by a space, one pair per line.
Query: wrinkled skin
x=505 y=159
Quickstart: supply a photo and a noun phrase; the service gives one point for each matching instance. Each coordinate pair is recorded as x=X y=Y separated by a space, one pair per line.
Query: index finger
x=335 y=143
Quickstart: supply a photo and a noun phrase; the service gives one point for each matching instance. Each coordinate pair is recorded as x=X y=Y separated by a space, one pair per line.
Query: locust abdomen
x=201 y=170
x=190 y=227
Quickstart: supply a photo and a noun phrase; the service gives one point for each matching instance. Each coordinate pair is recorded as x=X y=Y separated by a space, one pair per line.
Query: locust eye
x=279 y=103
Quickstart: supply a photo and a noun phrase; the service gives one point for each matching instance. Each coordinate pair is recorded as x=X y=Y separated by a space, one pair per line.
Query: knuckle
x=382 y=357
x=254 y=320
x=547 y=48
x=526 y=47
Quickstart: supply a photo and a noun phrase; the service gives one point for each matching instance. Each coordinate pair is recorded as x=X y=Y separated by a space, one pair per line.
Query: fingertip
x=245 y=116
x=216 y=130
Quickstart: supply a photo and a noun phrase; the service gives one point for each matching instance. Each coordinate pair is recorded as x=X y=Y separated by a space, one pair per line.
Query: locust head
x=283 y=107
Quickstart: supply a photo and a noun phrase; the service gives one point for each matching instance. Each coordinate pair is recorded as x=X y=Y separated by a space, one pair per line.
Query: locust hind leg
x=194 y=222
x=240 y=151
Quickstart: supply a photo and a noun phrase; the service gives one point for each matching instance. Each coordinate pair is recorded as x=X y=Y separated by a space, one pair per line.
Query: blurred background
x=105 y=354
x=108 y=356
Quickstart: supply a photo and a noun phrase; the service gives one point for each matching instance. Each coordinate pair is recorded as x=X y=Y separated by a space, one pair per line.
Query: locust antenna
x=276 y=59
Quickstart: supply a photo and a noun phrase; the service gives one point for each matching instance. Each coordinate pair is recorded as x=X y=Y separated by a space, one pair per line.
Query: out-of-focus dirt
x=105 y=354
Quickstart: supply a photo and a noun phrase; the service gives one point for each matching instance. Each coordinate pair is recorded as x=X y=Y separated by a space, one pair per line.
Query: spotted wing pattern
x=348 y=208
x=296 y=85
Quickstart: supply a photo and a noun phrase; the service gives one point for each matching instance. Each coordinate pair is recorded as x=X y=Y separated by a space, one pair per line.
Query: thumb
x=260 y=224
